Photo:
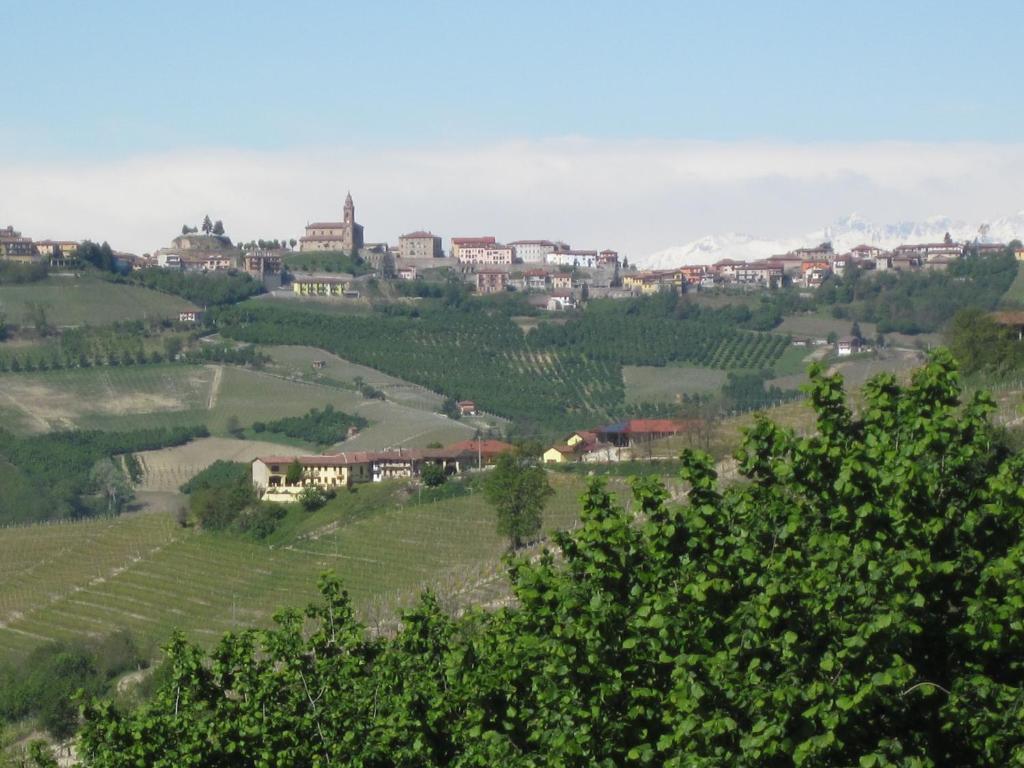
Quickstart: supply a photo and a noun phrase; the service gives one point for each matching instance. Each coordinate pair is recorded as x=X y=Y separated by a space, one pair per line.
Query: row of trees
x=320 y=427
x=209 y=227
x=856 y=603
x=206 y=290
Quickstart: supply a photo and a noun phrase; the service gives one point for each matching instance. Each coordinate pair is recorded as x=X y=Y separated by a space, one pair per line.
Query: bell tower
x=350 y=210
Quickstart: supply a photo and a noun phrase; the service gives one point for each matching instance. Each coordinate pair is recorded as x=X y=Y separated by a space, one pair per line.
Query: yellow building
x=559 y=454
x=648 y=283
x=320 y=286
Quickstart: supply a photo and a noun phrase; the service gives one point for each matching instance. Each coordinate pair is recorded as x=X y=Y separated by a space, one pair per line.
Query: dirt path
x=218 y=376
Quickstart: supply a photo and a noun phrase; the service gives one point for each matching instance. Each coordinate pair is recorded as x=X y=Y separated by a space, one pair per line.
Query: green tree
x=433 y=475
x=113 y=484
x=207 y=225
x=312 y=498
x=218 y=227
x=518 y=489
x=293 y=475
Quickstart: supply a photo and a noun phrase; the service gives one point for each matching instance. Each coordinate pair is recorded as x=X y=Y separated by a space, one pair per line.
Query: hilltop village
x=335 y=264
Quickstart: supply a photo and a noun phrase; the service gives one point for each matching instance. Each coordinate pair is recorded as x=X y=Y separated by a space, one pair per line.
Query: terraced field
x=78 y=300
x=144 y=573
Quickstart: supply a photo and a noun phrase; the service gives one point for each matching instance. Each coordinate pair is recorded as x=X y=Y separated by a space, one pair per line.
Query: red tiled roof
x=417 y=234
x=486 y=447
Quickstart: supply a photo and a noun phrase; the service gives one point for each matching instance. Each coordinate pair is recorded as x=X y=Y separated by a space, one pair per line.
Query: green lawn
x=793 y=361
x=653 y=384
x=86 y=299
x=820 y=324
x=144 y=573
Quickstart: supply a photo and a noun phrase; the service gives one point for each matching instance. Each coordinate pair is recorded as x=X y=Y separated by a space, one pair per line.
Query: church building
x=344 y=235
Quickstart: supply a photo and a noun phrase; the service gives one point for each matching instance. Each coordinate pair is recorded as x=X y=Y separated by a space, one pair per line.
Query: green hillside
x=144 y=573
x=87 y=299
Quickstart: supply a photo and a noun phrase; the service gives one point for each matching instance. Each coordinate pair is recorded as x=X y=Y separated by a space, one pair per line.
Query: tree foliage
x=857 y=602
x=44 y=685
x=920 y=302
x=518 y=489
x=982 y=346
x=52 y=476
x=322 y=427
x=206 y=290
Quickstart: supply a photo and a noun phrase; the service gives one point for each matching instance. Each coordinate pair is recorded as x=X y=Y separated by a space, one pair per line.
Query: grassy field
x=651 y=384
x=80 y=300
x=175 y=395
x=821 y=324
x=144 y=573
x=794 y=361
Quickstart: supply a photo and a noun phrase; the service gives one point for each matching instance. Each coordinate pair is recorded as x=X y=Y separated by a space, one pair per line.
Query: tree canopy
x=518 y=489
x=857 y=602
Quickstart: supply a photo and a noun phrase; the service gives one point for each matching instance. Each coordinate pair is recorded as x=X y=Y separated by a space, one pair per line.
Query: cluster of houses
x=283 y=478
x=620 y=441
x=275 y=480
x=808 y=267
x=56 y=254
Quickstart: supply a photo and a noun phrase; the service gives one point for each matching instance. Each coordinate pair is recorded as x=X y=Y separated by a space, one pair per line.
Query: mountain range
x=844 y=233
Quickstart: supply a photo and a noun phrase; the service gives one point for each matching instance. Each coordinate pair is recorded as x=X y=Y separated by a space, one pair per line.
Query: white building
x=533 y=251
x=584 y=259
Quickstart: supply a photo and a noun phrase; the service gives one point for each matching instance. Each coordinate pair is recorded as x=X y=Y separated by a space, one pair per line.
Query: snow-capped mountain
x=844 y=233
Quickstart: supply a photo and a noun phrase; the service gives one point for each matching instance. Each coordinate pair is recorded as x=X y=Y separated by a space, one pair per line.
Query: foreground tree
x=858 y=603
x=518 y=489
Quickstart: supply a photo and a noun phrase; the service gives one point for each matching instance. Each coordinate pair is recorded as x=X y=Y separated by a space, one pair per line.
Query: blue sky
x=120 y=77
x=635 y=125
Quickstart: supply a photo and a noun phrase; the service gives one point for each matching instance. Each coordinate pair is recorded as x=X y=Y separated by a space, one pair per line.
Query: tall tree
x=113 y=484
x=518 y=489
x=207 y=225
x=218 y=227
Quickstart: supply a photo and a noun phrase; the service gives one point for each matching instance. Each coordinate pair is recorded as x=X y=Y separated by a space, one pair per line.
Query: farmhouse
x=270 y=474
x=847 y=345
x=191 y=316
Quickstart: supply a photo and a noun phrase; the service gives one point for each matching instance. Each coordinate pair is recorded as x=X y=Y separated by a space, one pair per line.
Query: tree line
x=73 y=473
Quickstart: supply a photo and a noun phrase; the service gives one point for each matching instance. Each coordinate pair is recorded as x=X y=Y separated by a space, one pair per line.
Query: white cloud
x=637 y=196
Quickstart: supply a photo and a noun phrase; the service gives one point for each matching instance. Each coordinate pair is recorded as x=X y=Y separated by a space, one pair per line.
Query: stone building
x=344 y=235
x=420 y=245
